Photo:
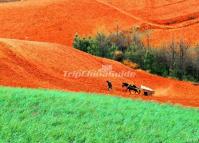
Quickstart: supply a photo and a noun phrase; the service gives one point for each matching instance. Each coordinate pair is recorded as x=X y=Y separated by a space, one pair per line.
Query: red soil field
x=42 y=65
x=58 y=20
x=178 y=18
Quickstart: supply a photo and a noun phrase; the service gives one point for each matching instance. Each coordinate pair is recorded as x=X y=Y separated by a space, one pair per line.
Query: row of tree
x=175 y=59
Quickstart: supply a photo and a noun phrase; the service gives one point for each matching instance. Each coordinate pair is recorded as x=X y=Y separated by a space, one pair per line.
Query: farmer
x=109 y=85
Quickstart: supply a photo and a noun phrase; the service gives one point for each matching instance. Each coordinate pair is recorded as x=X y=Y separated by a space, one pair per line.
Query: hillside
x=30 y=115
x=42 y=65
x=52 y=92
x=170 y=20
x=59 y=20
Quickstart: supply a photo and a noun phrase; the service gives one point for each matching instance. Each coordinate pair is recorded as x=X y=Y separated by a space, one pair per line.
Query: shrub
x=174 y=60
x=118 y=55
x=130 y=64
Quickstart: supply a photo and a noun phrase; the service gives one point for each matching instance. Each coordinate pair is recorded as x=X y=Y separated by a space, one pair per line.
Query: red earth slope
x=178 y=18
x=42 y=65
x=59 y=20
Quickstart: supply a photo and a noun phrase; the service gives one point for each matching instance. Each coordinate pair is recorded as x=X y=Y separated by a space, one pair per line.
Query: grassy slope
x=28 y=115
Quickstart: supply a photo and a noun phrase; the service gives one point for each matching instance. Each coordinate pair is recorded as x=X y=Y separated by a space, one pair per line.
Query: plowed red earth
x=58 y=20
x=42 y=65
x=170 y=19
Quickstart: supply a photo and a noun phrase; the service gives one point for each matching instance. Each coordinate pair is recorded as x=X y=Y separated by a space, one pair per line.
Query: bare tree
x=171 y=56
x=196 y=62
x=182 y=52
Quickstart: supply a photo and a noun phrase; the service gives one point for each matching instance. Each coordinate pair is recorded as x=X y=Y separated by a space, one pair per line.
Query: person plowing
x=110 y=86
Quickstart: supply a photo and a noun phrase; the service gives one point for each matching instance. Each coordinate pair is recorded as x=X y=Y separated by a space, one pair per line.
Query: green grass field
x=28 y=115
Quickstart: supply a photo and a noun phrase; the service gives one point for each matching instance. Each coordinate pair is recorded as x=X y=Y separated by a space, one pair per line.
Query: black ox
x=130 y=87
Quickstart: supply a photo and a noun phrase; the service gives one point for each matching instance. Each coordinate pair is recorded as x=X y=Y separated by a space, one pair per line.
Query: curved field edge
x=37 y=115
